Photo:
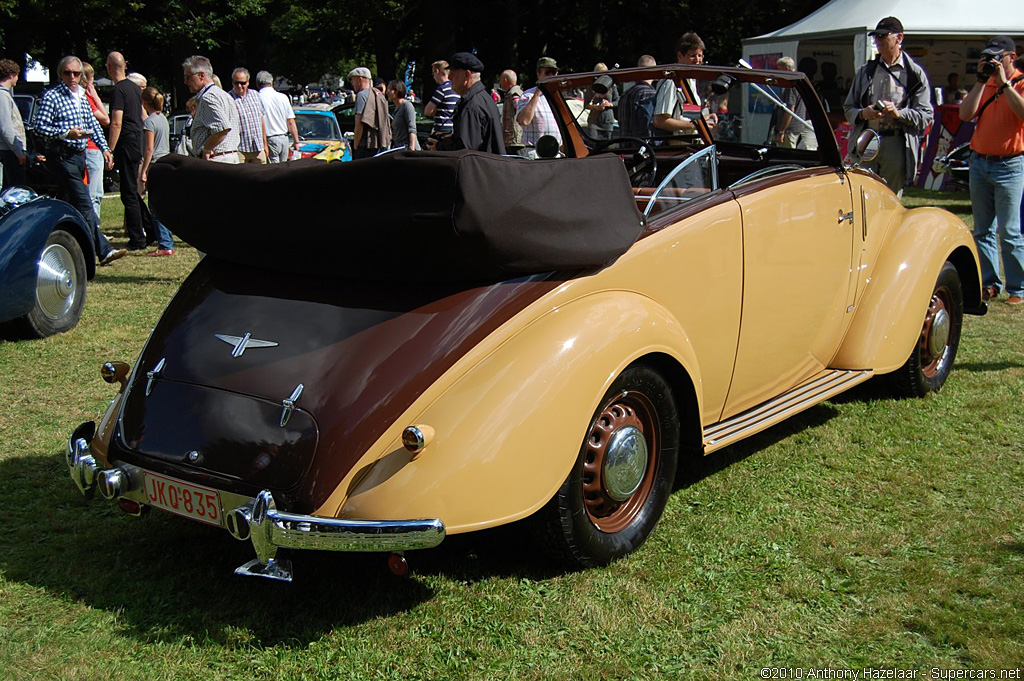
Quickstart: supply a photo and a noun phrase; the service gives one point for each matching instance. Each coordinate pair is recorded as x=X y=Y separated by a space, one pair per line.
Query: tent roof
x=934 y=17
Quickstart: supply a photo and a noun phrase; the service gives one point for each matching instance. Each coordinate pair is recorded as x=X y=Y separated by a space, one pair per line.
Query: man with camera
x=890 y=95
x=996 y=103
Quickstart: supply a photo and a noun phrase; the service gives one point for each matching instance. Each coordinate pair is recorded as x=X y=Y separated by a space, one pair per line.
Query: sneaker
x=1014 y=300
x=114 y=255
x=160 y=252
x=989 y=292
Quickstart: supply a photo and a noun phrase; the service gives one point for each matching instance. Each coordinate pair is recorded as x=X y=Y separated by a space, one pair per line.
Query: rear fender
x=887 y=321
x=508 y=428
x=23 y=234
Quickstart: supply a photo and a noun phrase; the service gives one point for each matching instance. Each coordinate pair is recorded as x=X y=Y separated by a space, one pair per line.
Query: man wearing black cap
x=997 y=166
x=476 y=123
x=890 y=95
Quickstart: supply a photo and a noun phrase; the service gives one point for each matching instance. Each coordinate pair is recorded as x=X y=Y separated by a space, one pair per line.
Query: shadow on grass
x=979 y=367
x=699 y=468
x=108 y=275
x=167 y=578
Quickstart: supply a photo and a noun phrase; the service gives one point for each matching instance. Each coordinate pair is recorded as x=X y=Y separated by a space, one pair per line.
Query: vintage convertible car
x=46 y=257
x=510 y=339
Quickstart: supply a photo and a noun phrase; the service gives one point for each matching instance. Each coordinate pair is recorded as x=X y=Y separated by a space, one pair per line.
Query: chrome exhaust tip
x=238 y=520
x=112 y=483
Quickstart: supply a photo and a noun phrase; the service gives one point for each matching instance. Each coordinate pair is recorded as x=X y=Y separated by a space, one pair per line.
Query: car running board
x=828 y=383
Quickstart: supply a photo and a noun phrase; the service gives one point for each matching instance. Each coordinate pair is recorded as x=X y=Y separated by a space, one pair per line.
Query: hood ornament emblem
x=243 y=343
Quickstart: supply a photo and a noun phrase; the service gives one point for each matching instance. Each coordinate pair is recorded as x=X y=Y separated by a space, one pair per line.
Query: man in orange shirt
x=997 y=166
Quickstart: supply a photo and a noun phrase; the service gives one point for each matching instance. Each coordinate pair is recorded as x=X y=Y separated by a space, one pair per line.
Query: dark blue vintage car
x=45 y=259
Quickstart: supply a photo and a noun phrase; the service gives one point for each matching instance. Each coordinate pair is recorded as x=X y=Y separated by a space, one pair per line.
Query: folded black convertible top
x=403 y=216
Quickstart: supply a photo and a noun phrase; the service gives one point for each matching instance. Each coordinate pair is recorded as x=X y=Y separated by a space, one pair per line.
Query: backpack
x=636 y=111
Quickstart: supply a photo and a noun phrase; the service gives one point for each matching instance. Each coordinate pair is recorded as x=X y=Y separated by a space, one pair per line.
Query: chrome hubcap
x=625 y=463
x=938 y=338
x=55 y=281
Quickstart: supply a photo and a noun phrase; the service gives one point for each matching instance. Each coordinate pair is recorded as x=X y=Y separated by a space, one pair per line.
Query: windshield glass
x=672 y=109
x=317 y=126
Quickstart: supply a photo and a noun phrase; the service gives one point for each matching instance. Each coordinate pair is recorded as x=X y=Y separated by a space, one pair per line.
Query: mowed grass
x=866 y=532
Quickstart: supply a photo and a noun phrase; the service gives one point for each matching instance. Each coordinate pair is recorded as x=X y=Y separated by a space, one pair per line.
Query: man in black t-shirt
x=126 y=141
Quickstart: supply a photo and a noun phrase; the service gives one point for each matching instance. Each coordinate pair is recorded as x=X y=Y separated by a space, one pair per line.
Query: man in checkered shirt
x=65 y=119
x=215 y=124
x=250 y=114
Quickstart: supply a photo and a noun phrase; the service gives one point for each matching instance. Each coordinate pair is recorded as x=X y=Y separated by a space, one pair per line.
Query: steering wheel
x=642 y=165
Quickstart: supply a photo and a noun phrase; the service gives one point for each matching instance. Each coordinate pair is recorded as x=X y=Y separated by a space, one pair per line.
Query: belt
x=222 y=153
x=997 y=157
x=889 y=133
x=280 y=134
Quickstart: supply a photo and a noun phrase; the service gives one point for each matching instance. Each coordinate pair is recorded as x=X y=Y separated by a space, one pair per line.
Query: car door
x=798 y=237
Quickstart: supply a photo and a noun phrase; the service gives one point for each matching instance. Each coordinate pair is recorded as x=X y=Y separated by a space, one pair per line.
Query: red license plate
x=185 y=499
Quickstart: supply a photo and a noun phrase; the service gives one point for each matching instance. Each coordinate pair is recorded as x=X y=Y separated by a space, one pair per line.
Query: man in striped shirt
x=215 y=125
x=441 y=106
x=65 y=119
x=250 y=114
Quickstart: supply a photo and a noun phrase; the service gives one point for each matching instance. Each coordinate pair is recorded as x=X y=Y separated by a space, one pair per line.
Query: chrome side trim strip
x=820 y=388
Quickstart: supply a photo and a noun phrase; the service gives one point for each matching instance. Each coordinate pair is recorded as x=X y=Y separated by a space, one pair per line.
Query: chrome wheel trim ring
x=625 y=463
x=938 y=338
x=55 y=282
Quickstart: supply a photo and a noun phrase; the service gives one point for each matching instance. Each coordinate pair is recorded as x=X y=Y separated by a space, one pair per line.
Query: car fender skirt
x=466 y=215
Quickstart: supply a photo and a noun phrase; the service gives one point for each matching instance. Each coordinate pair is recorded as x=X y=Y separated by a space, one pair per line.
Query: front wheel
x=60 y=286
x=931 y=360
x=623 y=475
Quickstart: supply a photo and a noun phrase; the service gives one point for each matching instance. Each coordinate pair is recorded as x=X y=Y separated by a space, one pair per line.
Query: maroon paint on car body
x=363 y=353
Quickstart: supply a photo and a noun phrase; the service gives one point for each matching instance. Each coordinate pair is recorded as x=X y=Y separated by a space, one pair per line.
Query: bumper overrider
x=256 y=519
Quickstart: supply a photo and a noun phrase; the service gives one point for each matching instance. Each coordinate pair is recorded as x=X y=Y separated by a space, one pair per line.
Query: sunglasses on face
x=241 y=82
x=69 y=72
x=549 y=72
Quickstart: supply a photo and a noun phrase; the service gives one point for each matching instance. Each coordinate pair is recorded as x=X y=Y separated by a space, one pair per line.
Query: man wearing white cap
x=373 y=124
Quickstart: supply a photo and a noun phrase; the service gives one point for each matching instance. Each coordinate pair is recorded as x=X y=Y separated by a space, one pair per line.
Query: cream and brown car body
x=409 y=391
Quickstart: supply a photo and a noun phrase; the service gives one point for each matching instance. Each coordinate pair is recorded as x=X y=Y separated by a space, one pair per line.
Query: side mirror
x=547 y=146
x=865 y=149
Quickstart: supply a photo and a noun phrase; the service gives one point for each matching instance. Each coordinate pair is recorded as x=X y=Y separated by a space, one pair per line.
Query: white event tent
x=944 y=36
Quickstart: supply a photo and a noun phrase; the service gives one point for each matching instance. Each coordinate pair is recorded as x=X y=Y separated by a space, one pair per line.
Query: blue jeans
x=996 y=188
x=164 y=241
x=94 y=162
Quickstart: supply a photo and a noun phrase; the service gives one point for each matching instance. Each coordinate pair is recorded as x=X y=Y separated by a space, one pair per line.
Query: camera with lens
x=988 y=67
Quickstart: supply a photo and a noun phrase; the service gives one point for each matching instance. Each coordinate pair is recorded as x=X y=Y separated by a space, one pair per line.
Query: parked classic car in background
x=45 y=259
x=546 y=340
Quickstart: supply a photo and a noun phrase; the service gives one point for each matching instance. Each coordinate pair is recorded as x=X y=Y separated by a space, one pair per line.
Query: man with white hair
x=476 y=124
x=250 y=115
x=215 y=125
x=789 y=132
x=279 y=119
x=65 y=119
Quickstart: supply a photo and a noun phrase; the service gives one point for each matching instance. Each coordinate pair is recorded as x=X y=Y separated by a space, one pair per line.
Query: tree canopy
x=304 y=40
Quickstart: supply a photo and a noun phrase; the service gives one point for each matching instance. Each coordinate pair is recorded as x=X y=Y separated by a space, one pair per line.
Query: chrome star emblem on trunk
x=243 y=343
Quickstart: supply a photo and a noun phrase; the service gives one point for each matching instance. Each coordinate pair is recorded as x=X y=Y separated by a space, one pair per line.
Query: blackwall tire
x=618 y=487
x=931 y=360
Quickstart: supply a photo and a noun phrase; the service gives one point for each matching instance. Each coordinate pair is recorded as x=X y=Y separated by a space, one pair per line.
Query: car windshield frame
x=576 y=142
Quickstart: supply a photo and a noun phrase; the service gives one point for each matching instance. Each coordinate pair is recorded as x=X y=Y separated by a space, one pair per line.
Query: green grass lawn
x=866 y=532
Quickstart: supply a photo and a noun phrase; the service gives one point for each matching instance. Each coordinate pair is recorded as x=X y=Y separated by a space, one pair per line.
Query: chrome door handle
x=845 y=216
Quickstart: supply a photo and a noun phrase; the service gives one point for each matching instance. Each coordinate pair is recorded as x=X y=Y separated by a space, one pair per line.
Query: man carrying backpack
x=890 y=95
x=636 y=105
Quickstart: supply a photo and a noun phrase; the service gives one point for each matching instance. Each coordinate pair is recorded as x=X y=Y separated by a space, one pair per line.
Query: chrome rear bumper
x=259 y=520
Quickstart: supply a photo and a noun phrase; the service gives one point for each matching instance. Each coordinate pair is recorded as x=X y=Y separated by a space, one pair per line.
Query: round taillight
x=416 y=438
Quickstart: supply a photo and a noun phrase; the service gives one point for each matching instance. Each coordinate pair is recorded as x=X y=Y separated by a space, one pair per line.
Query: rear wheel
x=618 y=487
x=60 y=286
x=929 y=364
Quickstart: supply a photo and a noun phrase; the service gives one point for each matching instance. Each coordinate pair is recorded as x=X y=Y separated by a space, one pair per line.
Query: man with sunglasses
x=534 y=113
x=890 y=95
x=251 y=115
x=996 y=103
x=66 y=121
